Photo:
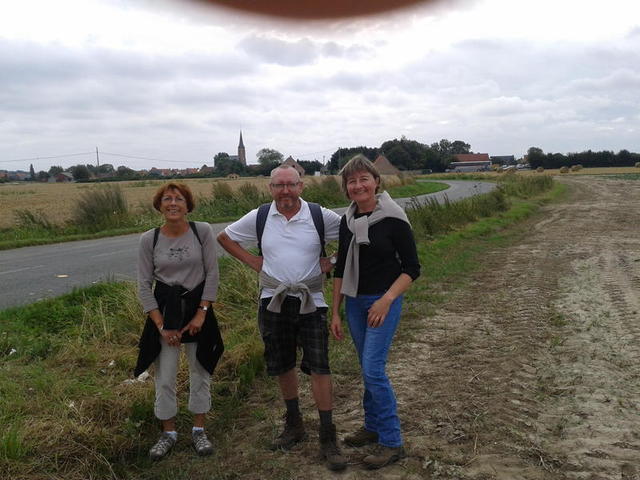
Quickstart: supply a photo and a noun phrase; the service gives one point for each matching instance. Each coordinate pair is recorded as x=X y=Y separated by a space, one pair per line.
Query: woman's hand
x=378 y=312
x=172 y=337
x=336 y=326
x=195 y=325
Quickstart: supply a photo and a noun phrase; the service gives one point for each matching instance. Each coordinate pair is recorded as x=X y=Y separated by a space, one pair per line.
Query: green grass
x=624 y=176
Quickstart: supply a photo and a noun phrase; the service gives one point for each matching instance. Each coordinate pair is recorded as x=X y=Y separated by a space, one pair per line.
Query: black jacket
x=178 y=307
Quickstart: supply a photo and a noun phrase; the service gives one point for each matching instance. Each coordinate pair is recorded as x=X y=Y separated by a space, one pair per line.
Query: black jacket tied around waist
x=178 y=306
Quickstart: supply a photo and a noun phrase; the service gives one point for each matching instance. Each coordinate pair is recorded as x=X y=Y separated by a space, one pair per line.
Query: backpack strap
x=318 y=222
x=156 y=234
x=195 y=231
x=261 y=219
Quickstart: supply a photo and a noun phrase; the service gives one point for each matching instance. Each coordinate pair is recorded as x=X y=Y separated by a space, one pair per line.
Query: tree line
x=605 y=158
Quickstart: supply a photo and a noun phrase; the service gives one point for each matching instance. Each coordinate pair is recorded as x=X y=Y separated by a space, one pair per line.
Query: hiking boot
x=201 y=443
x=293 y=433
x=329 y=448
x=361 y=438
x=382 y=456
x=162 y=446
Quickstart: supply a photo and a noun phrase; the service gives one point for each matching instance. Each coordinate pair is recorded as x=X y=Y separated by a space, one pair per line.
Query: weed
x=102 y=208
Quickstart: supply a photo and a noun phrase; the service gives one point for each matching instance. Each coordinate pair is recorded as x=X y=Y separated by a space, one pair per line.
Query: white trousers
x=166 y=371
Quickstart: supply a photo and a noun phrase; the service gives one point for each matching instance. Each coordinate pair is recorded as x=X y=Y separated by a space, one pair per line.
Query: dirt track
x=531 y=370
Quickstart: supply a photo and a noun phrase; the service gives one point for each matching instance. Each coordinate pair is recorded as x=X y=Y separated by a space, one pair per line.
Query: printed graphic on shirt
x=178 y=254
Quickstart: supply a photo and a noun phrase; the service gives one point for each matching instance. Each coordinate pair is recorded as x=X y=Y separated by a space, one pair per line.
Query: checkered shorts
x=283 y=332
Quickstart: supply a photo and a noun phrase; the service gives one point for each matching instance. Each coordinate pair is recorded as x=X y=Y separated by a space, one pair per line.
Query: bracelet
x=161 y=328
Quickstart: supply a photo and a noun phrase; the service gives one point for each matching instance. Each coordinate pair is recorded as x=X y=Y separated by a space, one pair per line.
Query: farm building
x=470 y=162
x=292 y=163
x=384 y=166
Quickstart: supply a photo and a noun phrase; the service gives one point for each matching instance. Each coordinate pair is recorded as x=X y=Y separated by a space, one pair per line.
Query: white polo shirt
x=290 y=248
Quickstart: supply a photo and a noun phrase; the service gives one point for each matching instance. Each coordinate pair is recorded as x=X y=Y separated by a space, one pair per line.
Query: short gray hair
x=283 y=167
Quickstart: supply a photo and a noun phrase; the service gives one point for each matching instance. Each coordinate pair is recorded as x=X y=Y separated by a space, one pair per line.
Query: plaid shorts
x=283 y=332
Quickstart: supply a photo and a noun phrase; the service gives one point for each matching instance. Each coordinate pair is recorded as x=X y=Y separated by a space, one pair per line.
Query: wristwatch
x=204 y=309
x=333 y=259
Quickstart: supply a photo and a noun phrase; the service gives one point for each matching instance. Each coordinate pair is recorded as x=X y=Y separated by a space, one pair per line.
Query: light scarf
x=304 y=287
x=385 y=208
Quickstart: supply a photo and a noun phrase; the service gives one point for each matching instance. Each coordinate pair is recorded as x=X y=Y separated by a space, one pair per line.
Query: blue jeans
x=372 y=345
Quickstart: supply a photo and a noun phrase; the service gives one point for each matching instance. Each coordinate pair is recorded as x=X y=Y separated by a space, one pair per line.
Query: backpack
x=316 y=215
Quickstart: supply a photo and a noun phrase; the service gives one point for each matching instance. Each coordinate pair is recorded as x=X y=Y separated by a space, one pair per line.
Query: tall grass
x=430 y=218
x=525 y=186
x=101 y=209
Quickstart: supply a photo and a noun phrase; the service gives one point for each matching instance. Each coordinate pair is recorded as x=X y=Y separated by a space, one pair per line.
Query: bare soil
x=528 y=371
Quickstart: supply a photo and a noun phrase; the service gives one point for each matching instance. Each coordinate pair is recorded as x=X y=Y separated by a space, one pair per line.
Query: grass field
x=57 y=200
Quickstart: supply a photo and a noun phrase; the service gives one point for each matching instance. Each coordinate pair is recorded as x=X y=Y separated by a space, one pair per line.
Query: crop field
x=57 y=200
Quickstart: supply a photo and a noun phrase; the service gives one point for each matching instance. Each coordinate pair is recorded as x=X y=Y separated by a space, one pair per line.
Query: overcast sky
x=175 y=83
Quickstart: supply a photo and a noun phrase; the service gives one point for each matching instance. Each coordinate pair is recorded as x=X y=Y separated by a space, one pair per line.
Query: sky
x=170 y=83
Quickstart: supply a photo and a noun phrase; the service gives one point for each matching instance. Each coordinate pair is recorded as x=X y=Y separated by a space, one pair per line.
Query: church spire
x=242 y=156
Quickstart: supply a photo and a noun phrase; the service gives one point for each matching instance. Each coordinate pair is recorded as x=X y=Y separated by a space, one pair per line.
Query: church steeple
x=242 y=156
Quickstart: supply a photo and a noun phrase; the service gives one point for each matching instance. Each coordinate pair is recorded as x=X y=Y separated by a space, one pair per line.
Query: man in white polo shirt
x=292 y=309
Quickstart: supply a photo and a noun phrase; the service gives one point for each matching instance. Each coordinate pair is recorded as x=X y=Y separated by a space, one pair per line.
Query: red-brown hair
x=184 y=190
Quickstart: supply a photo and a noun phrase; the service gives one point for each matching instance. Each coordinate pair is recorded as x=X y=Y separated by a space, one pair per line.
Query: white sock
x=173 y=434
x=197 y=429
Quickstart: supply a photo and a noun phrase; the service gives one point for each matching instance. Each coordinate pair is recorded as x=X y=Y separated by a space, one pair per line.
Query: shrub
x=431 y=217
x=101 y=208
x=526 y=186
x=564 y=169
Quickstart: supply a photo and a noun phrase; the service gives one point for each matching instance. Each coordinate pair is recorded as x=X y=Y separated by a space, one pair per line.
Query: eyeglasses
x=176 y=199
x=281 y=186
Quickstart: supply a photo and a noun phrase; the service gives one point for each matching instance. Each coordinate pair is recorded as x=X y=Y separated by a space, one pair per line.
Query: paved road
x=33 y=273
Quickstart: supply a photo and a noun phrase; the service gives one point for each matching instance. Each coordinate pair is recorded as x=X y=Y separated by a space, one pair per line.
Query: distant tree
x=32 y=172
x=459 y=147
x=225 y=165
x=343 y=155
x=399 y=157
x=269 y=156
x=268 y=159
x=125 y=172
x=219 y=157
x=310 y=167
x=55 y=169
x=80 y=172
x=105 y=168
x=93 y=170
x=42 y=176
x=535 y=157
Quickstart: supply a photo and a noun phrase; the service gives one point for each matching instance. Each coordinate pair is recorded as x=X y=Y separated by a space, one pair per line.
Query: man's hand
x=255 y=263
x=325 y=264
